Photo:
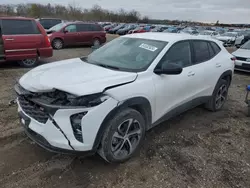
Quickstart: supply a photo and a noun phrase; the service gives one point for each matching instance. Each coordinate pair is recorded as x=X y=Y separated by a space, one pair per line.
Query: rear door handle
x=191 y=73
x=218 y=65
x=9 y=39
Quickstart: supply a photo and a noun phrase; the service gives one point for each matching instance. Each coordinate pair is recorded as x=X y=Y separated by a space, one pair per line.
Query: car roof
x=80 y=22
x=168 y=37
x=15 y=18
x=49 y=19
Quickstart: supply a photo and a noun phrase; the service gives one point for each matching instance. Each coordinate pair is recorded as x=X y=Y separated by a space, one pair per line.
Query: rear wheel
x=219 y=97
x=28 y=63
x=123 y=136
x=57 y=44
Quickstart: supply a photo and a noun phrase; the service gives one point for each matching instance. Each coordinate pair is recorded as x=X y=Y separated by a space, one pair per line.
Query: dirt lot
x=196 y=149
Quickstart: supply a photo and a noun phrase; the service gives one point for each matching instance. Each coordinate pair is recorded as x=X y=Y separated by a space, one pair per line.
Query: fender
x=141 y=104
x=226 y=74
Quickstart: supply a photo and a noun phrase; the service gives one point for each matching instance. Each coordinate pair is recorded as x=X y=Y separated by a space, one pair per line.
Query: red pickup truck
x=23 y=40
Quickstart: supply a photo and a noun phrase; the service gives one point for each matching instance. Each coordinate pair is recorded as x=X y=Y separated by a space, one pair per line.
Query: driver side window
x=179 y=53
x=70 y=28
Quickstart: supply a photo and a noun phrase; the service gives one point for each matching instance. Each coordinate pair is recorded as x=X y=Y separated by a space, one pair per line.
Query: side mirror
x=169 y=69
x=65 y=31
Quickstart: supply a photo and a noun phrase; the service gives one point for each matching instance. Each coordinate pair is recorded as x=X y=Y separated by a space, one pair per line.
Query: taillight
x=47 y=41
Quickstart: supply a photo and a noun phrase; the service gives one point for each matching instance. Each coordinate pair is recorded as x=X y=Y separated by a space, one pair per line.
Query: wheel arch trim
x=136 y=102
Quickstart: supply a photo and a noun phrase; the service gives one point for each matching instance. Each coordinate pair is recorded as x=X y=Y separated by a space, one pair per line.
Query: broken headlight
x=88 y=100
x=62 y=98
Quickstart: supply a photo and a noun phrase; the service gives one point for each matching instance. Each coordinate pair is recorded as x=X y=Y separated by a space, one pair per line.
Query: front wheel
x=219 y=96
x=123 y=136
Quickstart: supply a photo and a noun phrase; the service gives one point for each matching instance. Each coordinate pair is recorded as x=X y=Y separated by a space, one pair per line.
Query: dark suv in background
x=49 y=22
x=76 y=33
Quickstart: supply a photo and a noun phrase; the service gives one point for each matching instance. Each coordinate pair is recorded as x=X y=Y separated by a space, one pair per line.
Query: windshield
x=127 y=54
x=229 y=34
x=246 y=46
x=57 y=27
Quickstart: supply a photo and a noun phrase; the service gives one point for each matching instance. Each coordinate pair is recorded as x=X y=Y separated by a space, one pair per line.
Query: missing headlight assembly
x=62 y=99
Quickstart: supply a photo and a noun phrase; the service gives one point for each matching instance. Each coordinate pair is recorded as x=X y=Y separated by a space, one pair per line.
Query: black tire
x=57 y=44
x=212 y=104
x=115 y=127
x=28 y=63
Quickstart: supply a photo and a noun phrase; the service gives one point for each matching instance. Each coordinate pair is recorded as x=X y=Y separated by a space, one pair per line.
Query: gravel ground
x=195 y=149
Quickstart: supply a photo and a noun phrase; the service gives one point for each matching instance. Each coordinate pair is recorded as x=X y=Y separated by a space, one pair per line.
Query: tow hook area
x=12 y=102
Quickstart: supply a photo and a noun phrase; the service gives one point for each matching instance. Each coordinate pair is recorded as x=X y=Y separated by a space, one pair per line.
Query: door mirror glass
x=169 y=68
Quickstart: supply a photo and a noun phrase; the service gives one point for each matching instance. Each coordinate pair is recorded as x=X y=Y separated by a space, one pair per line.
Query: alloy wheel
x=29 y=62
x=58 y=44
x=126 y=138
x=221 y=96
x=96 y=42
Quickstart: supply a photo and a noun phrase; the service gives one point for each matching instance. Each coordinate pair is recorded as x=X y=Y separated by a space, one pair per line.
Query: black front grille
x=241 y=58
x=33 y=110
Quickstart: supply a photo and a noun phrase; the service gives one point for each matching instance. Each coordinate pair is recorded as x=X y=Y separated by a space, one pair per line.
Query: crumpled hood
x=242 y=53
x=73 y=76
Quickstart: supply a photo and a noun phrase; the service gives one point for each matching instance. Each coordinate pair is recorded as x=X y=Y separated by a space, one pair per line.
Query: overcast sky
x=227 y=11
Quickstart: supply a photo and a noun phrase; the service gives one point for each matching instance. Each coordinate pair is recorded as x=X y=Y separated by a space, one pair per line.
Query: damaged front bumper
x=51 y=126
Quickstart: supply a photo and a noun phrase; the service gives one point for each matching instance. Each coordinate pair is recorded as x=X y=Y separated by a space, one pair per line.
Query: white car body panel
x=239 y=39
x=164 y=92
x=74 y=76
x=243 y=53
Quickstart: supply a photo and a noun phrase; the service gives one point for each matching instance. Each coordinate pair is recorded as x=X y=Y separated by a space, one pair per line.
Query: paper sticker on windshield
x=148 y=47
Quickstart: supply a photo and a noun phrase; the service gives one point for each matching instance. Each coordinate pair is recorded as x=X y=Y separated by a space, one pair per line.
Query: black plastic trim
x=41 y=141
x=226 y=73
x=182 y=108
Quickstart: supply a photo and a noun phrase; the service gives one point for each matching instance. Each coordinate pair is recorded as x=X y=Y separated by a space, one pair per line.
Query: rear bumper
x=45 y=52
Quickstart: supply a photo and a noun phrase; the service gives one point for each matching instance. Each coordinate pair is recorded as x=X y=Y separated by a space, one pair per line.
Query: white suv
x=105 y=102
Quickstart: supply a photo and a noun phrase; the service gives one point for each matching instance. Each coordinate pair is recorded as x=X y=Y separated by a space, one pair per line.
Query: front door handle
x=9 y=39
x=191 y=73
x=218 y=65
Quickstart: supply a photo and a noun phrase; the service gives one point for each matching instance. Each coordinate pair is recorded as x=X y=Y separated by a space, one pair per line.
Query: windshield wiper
x=106 y=66
x=85 y=59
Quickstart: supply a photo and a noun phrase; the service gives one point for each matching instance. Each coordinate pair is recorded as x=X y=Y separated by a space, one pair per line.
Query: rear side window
x=201 y=51
x=95 y=27
x=19 y=27
x=55 y=22
x=211 y=51
x=215 y=47
x=88 y=27
x=83 y=27
x=45 y=23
